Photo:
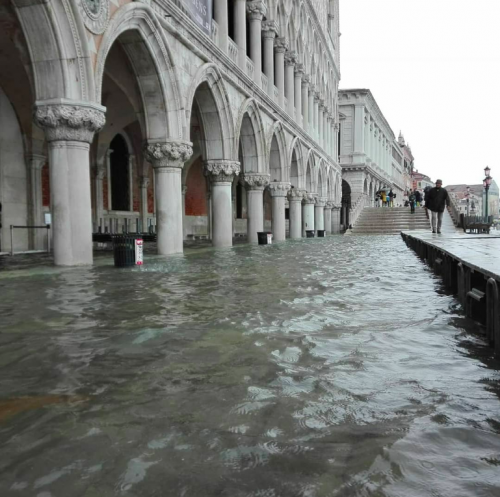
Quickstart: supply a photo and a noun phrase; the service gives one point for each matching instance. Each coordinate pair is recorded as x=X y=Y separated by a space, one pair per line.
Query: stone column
x=319 y=211
x=35 y=165
x=290 y=61
x=279 y=192
x=321 y=110
x=144 y=203
x=310 y=127
x=222 y=173
x=295 y=198
x=167 y=159
x=256 y=11
x=316 y=115
x=220 y=16
x=280 y=45
x=299 y=72
x=269 y=30
x=328 y=218
x=308 y=214
x=305 y=102
x=100 y=172
x=69 y=129
x=240 y=32
x=255 y=184
x=184 y=231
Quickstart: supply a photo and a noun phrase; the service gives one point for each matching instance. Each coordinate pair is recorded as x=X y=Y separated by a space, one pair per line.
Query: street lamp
x=486 y=184
x=467 y=196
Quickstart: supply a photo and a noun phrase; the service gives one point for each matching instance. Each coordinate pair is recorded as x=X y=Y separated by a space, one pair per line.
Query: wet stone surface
x=326 y=367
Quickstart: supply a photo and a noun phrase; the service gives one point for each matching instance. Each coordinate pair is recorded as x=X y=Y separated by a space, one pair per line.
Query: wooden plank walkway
x=470 y=267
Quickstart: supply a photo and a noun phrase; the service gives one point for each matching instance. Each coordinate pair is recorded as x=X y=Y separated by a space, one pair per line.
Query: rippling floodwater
x=327 y=367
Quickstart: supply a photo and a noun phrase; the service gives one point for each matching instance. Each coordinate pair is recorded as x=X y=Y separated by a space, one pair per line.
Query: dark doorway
x=120 y=178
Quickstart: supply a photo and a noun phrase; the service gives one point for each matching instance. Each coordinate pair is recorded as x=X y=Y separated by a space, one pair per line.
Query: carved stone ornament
x=269 y=29
x=281 y=45
x=144 y=182
x=100 y=172
x=306 y=80
x=256 y=181
x=168 y=154
x=320 y=201
x=256 y=10
x=295 y=195
x=279 y=189
x=69 y=122
x=310 y=198
x=95 y=14
x=222 y=171
x=291 y=58
x=300 y=69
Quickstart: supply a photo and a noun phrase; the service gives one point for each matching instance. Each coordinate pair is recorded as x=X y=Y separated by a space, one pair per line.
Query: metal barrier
x=13 y=227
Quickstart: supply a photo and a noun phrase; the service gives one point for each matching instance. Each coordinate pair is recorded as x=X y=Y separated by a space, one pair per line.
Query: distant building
x=420 y=181
x=408 y=163
x=477 y=199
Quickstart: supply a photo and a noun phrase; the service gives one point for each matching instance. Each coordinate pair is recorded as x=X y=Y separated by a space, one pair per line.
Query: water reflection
x=313 y=368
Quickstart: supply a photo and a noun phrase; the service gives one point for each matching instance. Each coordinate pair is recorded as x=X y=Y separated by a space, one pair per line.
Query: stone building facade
x=200 y=118
x=366 y=153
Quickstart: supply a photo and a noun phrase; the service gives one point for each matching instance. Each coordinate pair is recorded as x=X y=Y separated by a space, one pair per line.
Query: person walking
x=391 y=198
x=418 y=197
x=437 y=200
x=412 y=199
x=384 y=198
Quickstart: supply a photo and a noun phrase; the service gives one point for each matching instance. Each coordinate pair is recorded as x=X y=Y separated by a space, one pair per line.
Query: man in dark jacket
x=437 y=200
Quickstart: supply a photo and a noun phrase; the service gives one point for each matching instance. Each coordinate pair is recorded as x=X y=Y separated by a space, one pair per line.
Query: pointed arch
x=250 y=134
x=277 y=153
x=145 y=43
x=211 y=96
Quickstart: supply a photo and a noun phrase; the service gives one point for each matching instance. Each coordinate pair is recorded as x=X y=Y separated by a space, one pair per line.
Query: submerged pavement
x=323 y=367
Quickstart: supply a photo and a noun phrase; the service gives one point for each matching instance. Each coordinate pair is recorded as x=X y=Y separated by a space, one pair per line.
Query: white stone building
x=366 y=153
x=199 y=118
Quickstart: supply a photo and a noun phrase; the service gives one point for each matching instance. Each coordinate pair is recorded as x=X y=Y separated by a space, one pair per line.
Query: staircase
x=390 y=221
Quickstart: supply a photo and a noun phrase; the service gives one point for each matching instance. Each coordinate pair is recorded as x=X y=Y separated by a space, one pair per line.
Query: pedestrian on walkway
x=384 y=198
x=391 y=198
x=413 y=200
x=418 y=197
x=437 y=200
x=377 y=199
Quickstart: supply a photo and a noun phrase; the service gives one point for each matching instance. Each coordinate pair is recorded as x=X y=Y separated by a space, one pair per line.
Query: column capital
x=310 y=198
x=290 y=58
x=168 y=154
x=100 y=171
x=295 y=195
x=36 y=161
x=144 y=181
x=256 y=181
x=329 y=204
x=69 y=120
x=279 y=188
x=299 y=70
x=281 y=45
x=337 y=127
x=317 y=97
x=256 y=10
x=269 y=29
x=320 y=201
x=306 y=80
x=184 y=189
x=222 y=171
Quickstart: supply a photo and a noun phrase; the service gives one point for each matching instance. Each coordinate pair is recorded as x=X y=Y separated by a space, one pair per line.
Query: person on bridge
x=391 y=198
x=437 y=200
x=412 y=200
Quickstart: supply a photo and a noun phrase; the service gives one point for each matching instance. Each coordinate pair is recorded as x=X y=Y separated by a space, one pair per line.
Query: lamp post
x=467 y=196
x=486 y=183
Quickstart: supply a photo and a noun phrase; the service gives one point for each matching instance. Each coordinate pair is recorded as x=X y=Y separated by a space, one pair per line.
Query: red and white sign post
x=139 y=245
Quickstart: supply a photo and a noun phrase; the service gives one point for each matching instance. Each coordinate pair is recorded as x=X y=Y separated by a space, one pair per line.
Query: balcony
x=250 y=68
x=233 y=50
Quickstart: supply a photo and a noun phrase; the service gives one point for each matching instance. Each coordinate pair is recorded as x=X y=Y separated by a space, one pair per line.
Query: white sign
x=47 y=217
x=139 y=252
x=269 y=238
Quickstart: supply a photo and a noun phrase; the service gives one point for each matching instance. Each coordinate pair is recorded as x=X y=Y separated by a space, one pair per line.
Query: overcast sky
x=433 y=67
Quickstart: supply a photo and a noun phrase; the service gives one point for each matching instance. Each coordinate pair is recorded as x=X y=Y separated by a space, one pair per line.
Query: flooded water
x=327 y=367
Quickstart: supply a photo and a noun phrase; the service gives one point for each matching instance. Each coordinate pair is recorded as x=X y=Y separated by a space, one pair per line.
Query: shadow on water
x=326 y=367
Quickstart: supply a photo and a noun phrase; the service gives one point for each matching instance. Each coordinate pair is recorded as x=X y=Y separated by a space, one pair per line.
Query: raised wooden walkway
x=470 y=268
